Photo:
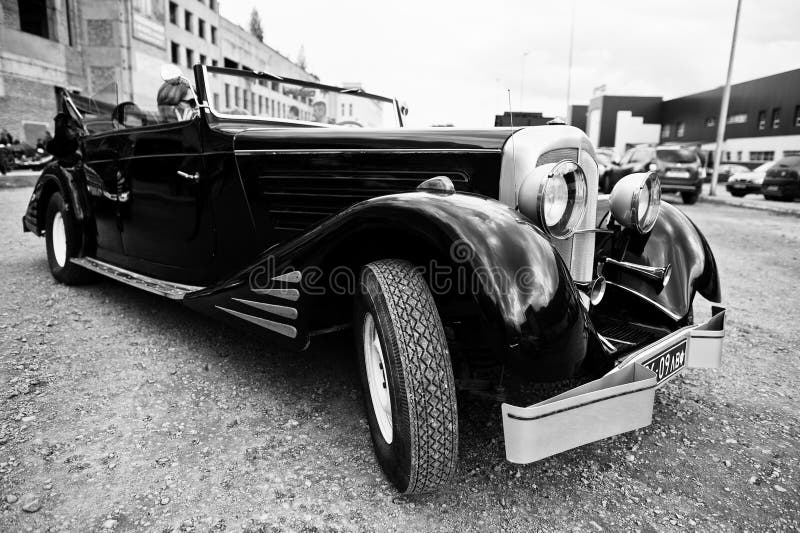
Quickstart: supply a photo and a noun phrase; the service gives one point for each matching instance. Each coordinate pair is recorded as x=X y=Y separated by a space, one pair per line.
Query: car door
x=102 y=148
x=168 y=220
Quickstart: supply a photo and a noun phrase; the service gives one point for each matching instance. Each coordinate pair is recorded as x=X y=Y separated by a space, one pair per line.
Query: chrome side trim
x=280 y=310
x=283 y=329
x=671 y=314
x=286 y=294
x=173 y=291
x=303 y=151
x=290 y=277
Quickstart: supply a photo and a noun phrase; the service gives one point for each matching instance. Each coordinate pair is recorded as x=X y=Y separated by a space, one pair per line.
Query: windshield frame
x=201 y=73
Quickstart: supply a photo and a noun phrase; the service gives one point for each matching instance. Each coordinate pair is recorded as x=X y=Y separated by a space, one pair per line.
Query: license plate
x=772 y=188
x=739 y=185
x=669 y=362
x=677 y=174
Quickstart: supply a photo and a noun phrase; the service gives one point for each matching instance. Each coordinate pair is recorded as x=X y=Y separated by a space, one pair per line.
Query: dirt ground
x=122 y=411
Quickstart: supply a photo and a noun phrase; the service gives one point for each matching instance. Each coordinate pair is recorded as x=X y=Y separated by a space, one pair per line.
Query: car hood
x=364 y=139
x=748 y=176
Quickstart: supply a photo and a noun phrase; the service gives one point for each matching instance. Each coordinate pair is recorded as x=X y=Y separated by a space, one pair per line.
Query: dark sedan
x=782 y=180
x=678 y=168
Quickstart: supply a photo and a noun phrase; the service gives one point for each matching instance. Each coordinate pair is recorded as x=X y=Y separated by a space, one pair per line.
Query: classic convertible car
x=463 y=260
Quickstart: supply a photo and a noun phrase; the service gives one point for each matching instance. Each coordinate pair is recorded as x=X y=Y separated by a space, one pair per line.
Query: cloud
x=453 y=61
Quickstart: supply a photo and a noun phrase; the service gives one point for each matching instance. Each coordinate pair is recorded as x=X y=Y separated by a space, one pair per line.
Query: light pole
x=723 y=110
x=569 y=67
x=522 y=84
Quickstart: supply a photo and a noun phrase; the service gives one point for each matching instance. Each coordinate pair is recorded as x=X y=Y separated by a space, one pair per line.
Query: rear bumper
x=618 y=402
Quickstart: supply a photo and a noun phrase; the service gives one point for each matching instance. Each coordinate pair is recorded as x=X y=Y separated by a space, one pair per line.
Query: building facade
x=113 y=50
x=763 y=122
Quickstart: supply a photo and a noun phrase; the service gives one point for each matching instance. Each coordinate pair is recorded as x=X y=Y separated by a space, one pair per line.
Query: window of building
x=260 y=105
x=214 y=62
x=342 y=109
x=187 y=20
x=189 y=57
x=236 y=96
x=230 y=63
x=797 y=116
x=272 y=108
x=711 y=122
x=227 y=95
x=33 y=17
x=351 y=110
x=274 y=86
x=762 y=156
x=175 y=52
x=680 y=129
x=216 y=100
x=245 y=100
x=776 y=118
x=665 y=130
x=727 y=156
x=173 y=13
x=739 y=118
x=213 y=35
x=68 y=10
x=212 y=4
x=201 y=28
x=762 y=120
x=253 y=101
x=202 y=59
x=739 y=155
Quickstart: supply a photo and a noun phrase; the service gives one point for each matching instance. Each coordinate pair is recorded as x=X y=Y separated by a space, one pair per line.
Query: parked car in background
x=678 y=168
x=747 y=181
x=607 y=158
x=781 y=181
x=726 y=171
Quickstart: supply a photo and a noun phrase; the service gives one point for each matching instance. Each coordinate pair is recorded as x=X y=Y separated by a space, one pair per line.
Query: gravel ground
x=122 y=411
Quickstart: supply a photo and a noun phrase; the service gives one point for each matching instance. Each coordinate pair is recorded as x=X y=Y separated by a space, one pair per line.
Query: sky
x=453 y=62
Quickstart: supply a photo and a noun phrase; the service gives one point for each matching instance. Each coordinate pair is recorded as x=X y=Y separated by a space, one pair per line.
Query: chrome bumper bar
x=618 y=402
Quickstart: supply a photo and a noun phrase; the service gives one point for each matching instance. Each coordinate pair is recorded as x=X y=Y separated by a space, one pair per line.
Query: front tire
x=690 y=197
x=63 y=242
x=407 y=377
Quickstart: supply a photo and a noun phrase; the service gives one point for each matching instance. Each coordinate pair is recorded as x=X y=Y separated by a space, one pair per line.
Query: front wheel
x=63 y=242
x=407 y=377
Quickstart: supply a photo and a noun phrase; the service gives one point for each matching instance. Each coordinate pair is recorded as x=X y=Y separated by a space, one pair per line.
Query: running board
x=173 y=291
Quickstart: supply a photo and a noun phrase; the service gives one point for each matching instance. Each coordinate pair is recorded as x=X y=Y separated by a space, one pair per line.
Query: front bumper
x=618 y=402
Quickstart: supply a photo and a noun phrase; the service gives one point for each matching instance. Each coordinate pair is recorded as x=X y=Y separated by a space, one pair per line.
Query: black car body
x=424 y=241
x=782 y=181
x=679 y=169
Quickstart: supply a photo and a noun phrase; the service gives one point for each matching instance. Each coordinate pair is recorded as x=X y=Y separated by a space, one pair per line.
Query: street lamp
x=723 y=111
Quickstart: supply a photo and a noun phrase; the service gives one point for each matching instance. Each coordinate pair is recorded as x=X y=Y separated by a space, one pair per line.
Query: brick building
x=113 y=50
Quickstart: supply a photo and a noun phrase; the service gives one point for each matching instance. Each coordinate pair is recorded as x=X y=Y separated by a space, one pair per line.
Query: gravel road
x=122 y=411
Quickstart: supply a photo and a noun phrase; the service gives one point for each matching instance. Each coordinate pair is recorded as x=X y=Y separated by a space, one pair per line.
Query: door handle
x=191 y=177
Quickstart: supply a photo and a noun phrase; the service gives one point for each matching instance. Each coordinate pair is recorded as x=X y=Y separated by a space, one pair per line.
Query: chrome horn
x=659 y=275
x=594 y=289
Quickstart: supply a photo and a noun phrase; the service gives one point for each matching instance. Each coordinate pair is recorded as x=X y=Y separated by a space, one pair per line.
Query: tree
x=255 y=25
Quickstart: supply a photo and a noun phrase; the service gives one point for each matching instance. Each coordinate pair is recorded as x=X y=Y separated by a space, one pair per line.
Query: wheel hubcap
x=375 y=364
x=59 y=240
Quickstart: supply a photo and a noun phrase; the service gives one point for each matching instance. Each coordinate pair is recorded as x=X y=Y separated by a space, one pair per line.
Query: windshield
x=676 y=156
x=243 y=94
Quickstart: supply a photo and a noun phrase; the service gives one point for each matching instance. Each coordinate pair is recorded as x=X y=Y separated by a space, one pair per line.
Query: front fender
x=675 y=241
x=56 y=178
x=522 y=287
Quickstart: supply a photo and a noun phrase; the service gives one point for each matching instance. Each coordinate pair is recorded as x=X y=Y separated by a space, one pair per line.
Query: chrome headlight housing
x=555 y=195
x=635 y=201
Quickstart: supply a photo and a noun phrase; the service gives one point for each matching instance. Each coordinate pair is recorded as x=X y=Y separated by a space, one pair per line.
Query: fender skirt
x=528 y=302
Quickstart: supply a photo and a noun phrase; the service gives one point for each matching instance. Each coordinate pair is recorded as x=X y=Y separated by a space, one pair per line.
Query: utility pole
x=723 y=111
x=569 y=67
x=522 y=84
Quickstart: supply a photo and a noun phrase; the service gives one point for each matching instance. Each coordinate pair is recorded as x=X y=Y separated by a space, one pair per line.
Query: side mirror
x=170 y=72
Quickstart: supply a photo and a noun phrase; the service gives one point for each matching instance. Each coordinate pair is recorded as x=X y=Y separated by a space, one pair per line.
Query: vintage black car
x=782 y=180
x=481 y=261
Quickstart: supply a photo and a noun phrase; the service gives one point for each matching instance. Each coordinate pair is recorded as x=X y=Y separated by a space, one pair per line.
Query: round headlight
x=555 y=195
x=635 y=201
